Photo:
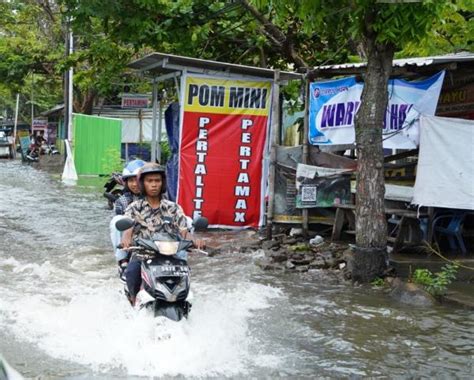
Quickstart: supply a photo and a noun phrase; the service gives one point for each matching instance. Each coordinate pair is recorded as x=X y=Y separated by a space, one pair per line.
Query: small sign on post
x=135 y=101
x=40 y=124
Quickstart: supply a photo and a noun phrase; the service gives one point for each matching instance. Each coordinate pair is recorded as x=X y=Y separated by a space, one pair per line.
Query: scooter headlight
x=167 y=248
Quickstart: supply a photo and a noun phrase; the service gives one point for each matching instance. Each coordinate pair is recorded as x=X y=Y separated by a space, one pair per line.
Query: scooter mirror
x=200 y=223
x=124 y=224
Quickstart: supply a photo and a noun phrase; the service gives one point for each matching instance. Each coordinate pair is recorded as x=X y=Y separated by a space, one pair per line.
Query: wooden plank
x=400 y=237
x=338 y=224
x=346 y=213
x=345 y=207
x=399 y=156
x=389 y=211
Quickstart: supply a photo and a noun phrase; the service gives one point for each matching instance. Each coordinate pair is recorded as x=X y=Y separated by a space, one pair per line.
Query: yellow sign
x=227 y=96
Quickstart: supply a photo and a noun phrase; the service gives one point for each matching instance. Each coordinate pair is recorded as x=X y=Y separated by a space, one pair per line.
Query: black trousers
x=133 y=276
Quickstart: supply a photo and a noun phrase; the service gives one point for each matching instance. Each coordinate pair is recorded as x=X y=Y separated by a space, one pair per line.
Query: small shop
x=429 y=165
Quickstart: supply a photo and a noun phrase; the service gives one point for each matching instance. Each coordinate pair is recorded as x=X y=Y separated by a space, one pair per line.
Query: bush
x=112 y=161
x=165 y=152
x=436 y=284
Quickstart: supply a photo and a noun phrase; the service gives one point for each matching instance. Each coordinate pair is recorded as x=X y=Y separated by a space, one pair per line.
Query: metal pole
x=66 y=89
x=275 y=132
x=153 y=121
x=32 y=100
x=305 y=148
x=177 y=88
x=16 y=124
x=70 y=94
x=160 y=124
x=140 y=124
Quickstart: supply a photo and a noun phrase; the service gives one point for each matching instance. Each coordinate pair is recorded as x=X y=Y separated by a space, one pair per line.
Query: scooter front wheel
x=174 y=311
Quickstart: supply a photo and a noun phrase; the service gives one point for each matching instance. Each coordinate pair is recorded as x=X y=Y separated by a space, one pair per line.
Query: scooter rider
x=149 y=213
x=131 y=193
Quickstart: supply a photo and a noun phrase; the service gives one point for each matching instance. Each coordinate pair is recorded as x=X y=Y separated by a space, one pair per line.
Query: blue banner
x=334 y=105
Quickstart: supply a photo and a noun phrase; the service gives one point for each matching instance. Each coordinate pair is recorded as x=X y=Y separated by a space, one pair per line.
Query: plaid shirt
x=123 y=201
x=149 y=220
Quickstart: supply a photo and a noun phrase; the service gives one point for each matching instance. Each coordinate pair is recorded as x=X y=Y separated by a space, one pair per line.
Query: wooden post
x=140 y=125
x=305 y=148
x=275 y=132
x=430 y=232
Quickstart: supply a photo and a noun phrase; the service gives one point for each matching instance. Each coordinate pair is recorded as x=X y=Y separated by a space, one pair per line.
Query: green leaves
x=28 y=44
x=436 y=284
x=112 y=162
x=109 y=33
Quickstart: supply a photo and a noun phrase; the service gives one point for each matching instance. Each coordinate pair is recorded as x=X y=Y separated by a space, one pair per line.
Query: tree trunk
x=84 y=103
x=371 y=226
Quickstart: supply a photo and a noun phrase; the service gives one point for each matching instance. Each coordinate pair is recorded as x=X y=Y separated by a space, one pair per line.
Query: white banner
x=445 y=173
x=334 y=105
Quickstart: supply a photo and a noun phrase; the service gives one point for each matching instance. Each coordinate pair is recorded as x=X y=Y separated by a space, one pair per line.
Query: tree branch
x=276 y=37
x=44 y=4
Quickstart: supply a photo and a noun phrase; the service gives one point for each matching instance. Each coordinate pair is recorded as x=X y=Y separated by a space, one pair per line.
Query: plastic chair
x=451 y=225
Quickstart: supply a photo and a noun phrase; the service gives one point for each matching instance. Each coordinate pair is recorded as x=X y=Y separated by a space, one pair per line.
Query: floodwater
x=62 y=314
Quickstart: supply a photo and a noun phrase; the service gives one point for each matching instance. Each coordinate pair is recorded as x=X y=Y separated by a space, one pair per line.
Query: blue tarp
x=172 y=129
x=141 y=151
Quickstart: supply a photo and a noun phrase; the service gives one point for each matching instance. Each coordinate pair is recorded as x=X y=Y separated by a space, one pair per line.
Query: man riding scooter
x=149 y=214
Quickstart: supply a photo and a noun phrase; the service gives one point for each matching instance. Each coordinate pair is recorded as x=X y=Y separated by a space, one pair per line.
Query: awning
x=159 y=64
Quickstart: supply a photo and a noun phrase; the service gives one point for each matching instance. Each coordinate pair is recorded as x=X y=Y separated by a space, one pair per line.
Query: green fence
x=95 y=139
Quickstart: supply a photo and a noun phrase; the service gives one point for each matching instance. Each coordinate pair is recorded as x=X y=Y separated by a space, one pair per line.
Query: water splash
x=96 y=327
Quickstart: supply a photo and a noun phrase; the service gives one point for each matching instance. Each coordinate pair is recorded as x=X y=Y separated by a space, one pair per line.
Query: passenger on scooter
x=131 y=193
x=149 y=213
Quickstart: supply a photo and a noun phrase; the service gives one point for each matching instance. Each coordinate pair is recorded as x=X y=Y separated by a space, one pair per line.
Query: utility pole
x=69 y=175
x=153 y=121
x=160 y=125
x=32 y=100
x=16 y=124
x=66 y=84
x=70 y=94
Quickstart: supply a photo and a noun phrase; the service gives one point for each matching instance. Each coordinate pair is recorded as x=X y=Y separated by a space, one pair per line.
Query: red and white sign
x=134 y=101
x=224 y=128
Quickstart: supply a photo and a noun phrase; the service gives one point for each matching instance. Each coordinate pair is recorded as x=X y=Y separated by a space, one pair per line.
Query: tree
x=218 y=30
x=382 y=29
x=33 y=59
x=29 y=46
x=378 y=28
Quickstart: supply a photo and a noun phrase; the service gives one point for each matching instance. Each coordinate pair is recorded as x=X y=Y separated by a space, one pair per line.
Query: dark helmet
x=151 y=168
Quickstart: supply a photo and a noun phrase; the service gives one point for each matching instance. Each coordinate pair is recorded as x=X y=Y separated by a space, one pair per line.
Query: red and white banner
x=224 y=128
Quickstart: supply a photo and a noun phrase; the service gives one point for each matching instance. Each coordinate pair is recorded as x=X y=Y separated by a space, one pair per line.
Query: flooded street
x=62 y=314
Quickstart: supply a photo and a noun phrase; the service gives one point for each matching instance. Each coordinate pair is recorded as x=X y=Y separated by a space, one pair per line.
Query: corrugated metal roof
x=124 y=113
x=418 y=61
x=160 y=64
x=56 y=108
